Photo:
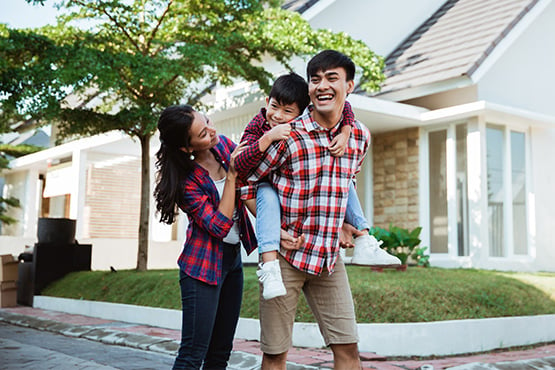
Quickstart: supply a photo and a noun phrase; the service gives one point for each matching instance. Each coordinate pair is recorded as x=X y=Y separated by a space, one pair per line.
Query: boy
x=287 y=100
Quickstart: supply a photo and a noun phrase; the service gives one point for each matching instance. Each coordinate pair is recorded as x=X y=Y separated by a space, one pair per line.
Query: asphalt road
x=26 y=348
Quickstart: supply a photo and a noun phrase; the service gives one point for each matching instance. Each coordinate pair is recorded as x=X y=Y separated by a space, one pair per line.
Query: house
x=463 y=136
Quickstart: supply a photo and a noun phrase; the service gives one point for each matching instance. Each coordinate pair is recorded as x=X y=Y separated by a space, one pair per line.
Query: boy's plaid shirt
x=249 y=159
x=313 y=187
x=202 y=253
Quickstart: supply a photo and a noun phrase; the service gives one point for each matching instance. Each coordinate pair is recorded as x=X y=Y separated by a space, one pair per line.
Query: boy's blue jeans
x=268 y=216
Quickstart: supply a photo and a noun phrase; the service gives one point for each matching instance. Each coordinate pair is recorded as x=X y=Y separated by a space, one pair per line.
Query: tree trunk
x=142 y=254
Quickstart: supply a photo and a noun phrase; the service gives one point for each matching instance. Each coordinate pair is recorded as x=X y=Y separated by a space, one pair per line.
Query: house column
x=31 y=204
x=78 y=191
x=477 y=192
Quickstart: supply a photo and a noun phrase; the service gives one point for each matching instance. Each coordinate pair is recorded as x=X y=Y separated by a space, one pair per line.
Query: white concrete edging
x=406 y=339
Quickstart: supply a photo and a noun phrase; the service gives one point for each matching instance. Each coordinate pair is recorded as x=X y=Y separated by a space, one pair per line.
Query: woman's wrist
x=231 y=176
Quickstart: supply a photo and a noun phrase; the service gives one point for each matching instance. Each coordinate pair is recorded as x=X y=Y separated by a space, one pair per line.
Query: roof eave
x=412 y=92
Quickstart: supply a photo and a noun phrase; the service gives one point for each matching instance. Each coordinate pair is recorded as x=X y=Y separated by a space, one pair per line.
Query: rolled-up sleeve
x=198 y=206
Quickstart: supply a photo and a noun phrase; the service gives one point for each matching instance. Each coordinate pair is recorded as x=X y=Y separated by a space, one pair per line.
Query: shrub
x=403 y=244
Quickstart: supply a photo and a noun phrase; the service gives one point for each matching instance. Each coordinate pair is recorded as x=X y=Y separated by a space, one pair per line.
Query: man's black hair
x=291 y=88
x=329 y=59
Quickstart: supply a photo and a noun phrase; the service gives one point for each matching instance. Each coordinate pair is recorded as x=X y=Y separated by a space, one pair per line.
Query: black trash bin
x=56 y=254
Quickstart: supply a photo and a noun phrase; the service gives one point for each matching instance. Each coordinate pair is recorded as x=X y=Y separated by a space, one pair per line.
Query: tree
x=139 y=56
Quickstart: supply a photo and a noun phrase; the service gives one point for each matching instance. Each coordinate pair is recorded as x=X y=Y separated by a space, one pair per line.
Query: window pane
x=496 y=190
x=438 y=191
x=519 y=193
x=462 y=199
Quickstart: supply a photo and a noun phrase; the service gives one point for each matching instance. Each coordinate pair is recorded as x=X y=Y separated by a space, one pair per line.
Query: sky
x=20 y=14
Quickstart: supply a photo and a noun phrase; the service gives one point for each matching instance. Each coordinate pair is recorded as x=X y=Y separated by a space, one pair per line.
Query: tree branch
x=155 y=30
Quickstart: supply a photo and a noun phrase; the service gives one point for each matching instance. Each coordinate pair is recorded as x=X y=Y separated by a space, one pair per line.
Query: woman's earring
x=192 y=156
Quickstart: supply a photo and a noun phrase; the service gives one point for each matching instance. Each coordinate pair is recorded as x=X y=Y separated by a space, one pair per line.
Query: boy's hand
x=279 y=132
x=339 y=144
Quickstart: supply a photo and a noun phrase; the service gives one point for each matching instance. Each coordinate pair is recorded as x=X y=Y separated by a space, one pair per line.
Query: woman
x=196 y=173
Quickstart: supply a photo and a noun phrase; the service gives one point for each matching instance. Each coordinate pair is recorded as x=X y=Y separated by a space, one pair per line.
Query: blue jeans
x=268 y=218
x=210 y=315
x=354 y=214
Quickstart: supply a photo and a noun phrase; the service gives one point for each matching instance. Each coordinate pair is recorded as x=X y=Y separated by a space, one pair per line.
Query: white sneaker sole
x=277 y=293
x=363 y=262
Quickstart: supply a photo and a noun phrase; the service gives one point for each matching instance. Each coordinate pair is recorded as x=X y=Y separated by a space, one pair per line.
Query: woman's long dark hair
x=171 y=162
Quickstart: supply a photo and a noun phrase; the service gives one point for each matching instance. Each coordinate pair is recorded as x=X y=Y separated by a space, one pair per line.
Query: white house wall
x=523 y=76
x=382 y=25
x=543 y=178
x=378 y=23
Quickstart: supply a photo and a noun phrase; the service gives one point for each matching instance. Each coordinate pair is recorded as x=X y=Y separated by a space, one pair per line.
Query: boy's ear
x=267 y=100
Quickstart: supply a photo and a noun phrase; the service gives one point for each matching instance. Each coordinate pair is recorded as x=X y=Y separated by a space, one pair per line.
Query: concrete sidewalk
x=246 y=354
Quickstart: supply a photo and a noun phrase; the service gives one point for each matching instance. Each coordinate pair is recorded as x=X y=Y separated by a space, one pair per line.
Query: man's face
x=328 y=90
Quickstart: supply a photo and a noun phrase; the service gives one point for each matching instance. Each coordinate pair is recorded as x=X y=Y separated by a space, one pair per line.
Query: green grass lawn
x=416 y=295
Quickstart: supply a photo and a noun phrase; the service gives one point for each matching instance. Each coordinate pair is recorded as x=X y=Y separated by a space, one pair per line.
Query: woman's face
x=202 y=134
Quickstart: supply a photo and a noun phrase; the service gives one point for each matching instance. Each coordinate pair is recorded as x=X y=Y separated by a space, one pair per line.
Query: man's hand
x=346 y=235
x=289 y=242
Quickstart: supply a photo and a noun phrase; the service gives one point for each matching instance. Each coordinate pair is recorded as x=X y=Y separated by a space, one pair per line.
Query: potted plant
x=403 y=244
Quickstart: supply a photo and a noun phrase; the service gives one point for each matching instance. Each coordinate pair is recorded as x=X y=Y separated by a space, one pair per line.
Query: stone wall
x=395 y=162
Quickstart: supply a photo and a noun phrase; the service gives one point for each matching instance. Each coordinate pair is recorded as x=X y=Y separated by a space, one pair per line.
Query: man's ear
x=350 y=86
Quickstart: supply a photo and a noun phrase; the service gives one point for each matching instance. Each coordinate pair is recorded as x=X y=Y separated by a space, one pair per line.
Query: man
x=313 y=187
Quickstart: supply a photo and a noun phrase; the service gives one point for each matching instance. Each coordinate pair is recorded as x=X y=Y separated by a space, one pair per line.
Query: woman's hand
x=238 y=149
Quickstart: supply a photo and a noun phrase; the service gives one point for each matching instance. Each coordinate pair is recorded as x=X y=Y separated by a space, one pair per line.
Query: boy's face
x=277 y=113
x=328 y=90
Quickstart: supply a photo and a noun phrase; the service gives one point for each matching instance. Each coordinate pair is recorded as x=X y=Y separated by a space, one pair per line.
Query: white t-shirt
x=233 y=236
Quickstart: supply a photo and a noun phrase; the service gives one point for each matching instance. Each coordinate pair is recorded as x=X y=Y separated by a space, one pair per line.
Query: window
x=462 y=190
x=506 y=181
x=518 y=183
x=438 y=191
x=496 y=190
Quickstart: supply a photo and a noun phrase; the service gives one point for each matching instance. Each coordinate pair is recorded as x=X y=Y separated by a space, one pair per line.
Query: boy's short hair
x=291 y=88
x=329 y=59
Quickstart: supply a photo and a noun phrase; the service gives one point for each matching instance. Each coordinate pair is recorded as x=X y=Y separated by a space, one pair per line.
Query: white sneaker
x=269 y=274
x=368 y=252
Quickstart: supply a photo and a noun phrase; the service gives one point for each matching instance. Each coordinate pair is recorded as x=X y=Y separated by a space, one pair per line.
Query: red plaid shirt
x=249 y=159
x=313 y=187
x=202 y=253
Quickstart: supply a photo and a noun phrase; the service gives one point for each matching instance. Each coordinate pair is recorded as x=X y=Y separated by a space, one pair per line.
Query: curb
x=439 y=338
x=107 y=336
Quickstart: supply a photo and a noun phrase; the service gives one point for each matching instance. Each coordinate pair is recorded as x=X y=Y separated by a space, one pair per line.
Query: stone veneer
x=395 y=165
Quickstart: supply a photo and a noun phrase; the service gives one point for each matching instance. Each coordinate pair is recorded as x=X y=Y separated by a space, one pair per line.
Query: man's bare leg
x=274 y=362
x=345 y=356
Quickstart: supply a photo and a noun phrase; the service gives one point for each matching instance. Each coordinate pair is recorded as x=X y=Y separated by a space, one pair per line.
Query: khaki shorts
x=329 y=298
